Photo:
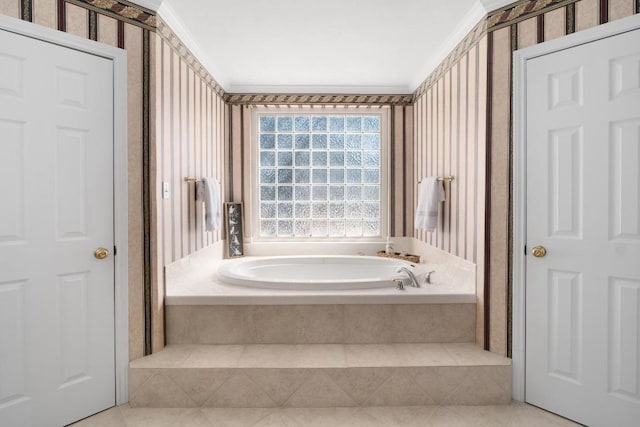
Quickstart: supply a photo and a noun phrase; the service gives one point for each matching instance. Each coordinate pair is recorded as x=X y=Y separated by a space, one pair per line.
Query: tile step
x=321 y=324
x=319 y=375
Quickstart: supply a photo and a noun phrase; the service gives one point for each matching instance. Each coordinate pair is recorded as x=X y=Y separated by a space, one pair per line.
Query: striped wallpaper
x=190 y=142
x=450 y=139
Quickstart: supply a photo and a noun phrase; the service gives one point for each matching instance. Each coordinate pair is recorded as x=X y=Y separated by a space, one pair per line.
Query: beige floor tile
x=320 y=391
x=319 y=324
x=279 y=384
x=521 y=415
x=321 y=355
x=220 y=324
x=160 y=391
x=417 y=323
x=446 y=416
x=440 y=382
x=181 y=325
x=276 y=419
x=368 y=323
x=172 y=356
x=162 y=417
x=424 y=355
x=400 y=390
x=360 y=383
x=137 y=377
x=407 y=416
x=458 y=323
x=332 y=417
x=111 y=417
x=269 y=356
x=239 y=391
x=236 y=417
x=199 y=384
x=482 y=385
x=512 y=415
x=274 y=324
x=214 y=356
x=470 y=354
x=371 y=355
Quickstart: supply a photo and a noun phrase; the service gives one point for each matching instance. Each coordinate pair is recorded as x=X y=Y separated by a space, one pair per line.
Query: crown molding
x=468 y=22
x=317 y=99
x=315 y=89
x=168 y=15
x=169 y=37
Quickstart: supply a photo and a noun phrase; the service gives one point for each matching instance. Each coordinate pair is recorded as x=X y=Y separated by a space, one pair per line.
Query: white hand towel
x=430 y=194
x=208 y=190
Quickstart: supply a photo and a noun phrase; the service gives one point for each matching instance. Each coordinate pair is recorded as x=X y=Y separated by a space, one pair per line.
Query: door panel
x=565 y=152
x=565 y=325
x=624 y=154
x=57 y=360
x=583 y=194
x=12 y=182
x=624 y=304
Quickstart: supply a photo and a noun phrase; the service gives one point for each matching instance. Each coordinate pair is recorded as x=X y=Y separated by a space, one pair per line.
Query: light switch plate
x=165 y=190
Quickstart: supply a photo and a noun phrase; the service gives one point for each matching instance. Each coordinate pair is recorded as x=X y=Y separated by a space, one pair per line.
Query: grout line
x=307 y=375
x=382 y=383
x=208 y=398
x=258 y=387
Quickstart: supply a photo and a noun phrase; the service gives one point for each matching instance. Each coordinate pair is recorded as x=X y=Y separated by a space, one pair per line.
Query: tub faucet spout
x=414 y=280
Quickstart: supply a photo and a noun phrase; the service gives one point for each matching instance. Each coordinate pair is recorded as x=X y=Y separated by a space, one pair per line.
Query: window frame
x=383 y=112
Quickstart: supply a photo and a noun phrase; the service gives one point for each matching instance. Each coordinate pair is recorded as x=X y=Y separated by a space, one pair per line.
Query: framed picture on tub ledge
x=234 y=228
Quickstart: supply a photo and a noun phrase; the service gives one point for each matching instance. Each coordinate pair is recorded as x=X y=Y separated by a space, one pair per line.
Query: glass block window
x=319 y=175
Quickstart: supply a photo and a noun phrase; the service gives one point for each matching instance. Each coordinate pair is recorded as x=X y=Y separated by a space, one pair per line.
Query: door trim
x=119 y=60
x=520 y=59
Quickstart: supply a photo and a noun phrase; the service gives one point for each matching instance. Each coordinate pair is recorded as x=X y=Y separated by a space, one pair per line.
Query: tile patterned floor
x=319 y=375
x=514 y=414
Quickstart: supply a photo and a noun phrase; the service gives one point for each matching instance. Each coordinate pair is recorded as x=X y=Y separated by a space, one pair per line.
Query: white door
x=583 y=206
x=56 y=209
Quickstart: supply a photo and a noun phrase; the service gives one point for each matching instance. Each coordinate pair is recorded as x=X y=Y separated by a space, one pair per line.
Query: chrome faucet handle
x=412 y=276
x=399 y=284
x=428 y=278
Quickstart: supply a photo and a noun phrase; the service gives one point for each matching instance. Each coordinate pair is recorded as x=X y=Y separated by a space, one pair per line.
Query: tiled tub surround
x=320 y=375
x=320 y=324
x=201 y=310
x=234 y=347
x=193 y=281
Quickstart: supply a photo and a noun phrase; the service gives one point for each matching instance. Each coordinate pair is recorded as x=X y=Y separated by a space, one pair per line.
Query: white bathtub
x=313 y=272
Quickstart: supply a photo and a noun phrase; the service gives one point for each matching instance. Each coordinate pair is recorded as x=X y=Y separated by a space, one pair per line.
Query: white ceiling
x=321 y=46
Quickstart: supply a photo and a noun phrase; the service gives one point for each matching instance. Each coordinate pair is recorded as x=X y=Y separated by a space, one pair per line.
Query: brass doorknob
x=538 y=251
x=101 y=253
